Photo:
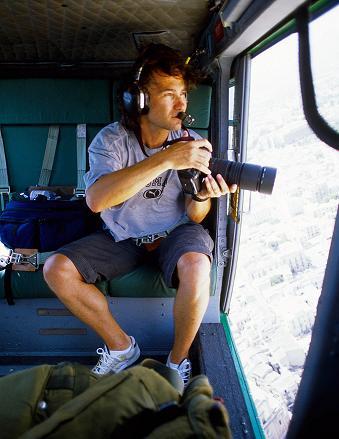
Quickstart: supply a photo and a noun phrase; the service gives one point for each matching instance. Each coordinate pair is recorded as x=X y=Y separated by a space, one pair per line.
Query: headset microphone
x=186 y=118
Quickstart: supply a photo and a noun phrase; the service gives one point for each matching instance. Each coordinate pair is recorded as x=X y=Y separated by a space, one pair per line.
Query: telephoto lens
x=245 y=175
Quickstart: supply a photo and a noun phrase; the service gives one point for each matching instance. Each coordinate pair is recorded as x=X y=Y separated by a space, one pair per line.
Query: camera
x=246 y=175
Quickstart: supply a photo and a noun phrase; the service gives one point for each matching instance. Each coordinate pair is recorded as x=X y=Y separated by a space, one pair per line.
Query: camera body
x=191 y=180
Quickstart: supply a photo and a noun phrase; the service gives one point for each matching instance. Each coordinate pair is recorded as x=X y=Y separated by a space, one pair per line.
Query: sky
x=324 y=38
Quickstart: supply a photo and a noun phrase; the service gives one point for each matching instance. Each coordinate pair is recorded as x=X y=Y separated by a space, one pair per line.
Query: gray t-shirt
x=157 y=207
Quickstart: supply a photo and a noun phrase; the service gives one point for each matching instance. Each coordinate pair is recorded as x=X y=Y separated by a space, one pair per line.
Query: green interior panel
x=199 y=105
x=29 y=106
x=116 y=110
x=203 y=133
x=53 y=101
x=92 y=131
x=25 y=148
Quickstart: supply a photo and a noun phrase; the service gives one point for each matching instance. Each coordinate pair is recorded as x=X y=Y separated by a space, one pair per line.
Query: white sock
x=170 y=364
x=173 y=365
x=121 y=352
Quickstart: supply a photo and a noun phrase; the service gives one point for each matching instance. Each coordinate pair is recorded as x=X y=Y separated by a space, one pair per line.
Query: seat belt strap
x=47 y=164
x=35 y=259
x=8 y=285
x=3 y=165
x=4 y=184
x=81 y=159
x=42 y=257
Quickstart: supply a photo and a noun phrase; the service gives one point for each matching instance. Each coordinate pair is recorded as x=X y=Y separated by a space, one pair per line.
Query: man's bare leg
x=84 y=300
x=191 y=301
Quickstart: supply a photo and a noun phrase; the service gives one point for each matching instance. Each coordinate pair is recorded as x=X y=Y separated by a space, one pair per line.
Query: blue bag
x=45 y=225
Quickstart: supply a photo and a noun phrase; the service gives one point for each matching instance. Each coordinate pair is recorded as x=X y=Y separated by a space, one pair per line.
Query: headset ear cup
x=127 y=101
x=130 y=99
x=135 y=100
x=143 y=102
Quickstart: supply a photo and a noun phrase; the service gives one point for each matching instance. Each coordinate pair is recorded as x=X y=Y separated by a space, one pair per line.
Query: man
x=133 y=182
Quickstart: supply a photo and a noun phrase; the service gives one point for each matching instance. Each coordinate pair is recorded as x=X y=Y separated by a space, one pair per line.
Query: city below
x=285 y=240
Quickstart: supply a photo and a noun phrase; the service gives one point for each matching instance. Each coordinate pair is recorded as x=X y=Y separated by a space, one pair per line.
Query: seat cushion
x=143 y=282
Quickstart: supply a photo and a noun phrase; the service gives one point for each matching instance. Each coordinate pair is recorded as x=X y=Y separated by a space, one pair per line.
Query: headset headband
x=138 y=74
x=135 y=100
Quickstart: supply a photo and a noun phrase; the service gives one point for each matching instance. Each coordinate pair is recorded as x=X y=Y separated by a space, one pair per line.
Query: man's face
x=168 y=96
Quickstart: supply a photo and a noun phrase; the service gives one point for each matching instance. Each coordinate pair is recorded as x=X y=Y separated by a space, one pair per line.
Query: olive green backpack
x=69 y=401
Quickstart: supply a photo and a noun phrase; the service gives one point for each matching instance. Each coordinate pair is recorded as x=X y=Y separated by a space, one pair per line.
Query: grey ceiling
x=95 y=30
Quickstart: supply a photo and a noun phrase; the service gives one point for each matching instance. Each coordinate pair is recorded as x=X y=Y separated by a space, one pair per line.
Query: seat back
x=29 y=106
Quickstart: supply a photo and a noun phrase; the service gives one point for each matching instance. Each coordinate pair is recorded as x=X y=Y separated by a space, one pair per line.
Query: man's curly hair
x=163 y=59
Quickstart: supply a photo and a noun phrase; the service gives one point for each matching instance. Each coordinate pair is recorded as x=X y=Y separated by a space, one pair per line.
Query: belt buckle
x=148 y=239
x=144 y=240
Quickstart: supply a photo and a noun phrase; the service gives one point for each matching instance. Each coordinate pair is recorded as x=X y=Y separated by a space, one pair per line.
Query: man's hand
x=189 y=154
x=212 y=188
x=197 y=154
x=215 y=187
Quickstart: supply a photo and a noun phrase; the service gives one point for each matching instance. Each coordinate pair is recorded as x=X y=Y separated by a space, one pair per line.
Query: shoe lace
x=106 y=361
x=185 y=371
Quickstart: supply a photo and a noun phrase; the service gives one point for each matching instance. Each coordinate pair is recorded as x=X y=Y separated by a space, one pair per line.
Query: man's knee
x=59 y=267
x=194 y=264
x=194 y=260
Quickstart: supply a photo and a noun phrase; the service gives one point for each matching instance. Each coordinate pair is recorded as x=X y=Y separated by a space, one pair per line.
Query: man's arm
x=212 y=188
x=197 y=210
x=116 y=187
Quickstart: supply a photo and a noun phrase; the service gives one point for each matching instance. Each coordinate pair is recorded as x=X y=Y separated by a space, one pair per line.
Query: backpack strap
x=204 y=413
x=47 y=164
x=61 y=378
x=81 y=159
x=4 y=184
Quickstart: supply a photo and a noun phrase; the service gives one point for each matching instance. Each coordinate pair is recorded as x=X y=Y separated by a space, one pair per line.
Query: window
x=285 y=238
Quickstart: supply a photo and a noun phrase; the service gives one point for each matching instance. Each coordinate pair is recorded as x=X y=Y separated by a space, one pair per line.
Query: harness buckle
x=5 y=192
x=19 y=258
x=80 y=193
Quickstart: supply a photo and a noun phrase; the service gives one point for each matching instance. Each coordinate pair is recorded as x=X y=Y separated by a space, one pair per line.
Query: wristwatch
x=196 y=198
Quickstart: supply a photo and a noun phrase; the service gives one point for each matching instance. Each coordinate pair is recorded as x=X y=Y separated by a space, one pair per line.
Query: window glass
x=285 y=238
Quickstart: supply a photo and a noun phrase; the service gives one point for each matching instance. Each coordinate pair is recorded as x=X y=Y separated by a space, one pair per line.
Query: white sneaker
x=184 y=369
x=113 y=363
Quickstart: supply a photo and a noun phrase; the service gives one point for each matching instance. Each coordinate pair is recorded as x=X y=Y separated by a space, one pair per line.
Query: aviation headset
x=134 y=99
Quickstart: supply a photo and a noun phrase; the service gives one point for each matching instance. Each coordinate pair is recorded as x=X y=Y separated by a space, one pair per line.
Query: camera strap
x=166 y=144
